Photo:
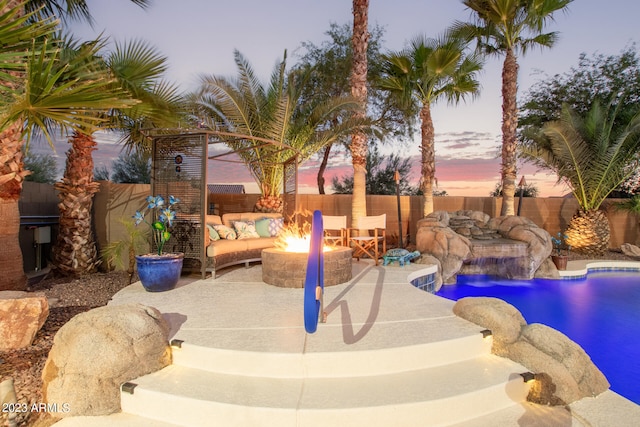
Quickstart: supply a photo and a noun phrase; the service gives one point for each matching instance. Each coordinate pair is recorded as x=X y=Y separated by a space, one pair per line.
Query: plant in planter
x=561 y=249
x=159 y=271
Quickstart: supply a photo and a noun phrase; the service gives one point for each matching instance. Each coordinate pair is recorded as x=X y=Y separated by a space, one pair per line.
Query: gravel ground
x=69 y=297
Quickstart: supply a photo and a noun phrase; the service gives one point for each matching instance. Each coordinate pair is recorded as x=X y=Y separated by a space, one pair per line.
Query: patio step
x=430 y=396
x=436 y=384
x=333 y=364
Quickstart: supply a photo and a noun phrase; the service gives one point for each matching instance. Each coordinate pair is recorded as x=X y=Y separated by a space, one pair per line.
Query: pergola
x=180 y=159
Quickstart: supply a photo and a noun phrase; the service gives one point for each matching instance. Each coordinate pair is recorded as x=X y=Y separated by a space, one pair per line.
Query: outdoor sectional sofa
x=240 y=247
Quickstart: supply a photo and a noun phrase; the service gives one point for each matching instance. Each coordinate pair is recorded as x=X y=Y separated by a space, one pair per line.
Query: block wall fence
x=120 y=201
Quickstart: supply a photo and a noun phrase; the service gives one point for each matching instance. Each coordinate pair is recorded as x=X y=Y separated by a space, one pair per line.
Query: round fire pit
x=288 y=269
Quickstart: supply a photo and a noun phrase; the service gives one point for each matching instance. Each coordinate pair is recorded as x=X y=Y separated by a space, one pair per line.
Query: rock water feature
x=471 y=242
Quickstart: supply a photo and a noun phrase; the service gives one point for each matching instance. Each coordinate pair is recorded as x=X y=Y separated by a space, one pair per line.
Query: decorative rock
x=564 y=372
x=479 y=227
x=450 y=248
x=547 y=270
x=98 y=350
x=503 y=319
x=630 y=250
x=22 y=314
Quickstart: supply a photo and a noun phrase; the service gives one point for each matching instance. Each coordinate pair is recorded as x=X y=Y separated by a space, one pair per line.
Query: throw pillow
x=213 y=234
x=225 y=232
x=262 y=227
x=245 y=229
x=275 y=226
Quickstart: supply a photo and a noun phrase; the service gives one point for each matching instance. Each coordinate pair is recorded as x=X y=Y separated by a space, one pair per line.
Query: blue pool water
x=600 y=312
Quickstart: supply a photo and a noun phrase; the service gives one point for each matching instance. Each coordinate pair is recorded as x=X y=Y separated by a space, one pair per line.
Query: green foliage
x=380 y=175
x=43 y=167
x=430 y=70
x=592 y=153
x=132 y=168
x=598 y=78
x=135 y=242
x=101 y=173
x=330 y=71
x=250 y=114
x=528 y=190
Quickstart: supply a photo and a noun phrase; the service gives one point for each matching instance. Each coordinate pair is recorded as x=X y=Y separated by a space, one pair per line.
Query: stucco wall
x=120 y=201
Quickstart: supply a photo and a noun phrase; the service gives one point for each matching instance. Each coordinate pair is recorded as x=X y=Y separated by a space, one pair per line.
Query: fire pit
x=288 y=269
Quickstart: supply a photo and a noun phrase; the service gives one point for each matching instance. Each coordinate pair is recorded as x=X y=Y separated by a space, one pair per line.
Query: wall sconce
x=486 y=333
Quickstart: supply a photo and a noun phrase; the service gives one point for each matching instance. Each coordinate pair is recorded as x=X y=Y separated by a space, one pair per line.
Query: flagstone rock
x=22 y=314
x=97 y=351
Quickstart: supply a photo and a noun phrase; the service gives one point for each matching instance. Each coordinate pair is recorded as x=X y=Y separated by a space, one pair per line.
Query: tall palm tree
x=427 y=71
x=249 y=114
x=509 y=27
x=39 y=92
x=358 y=145
x=137 y=68
x=592 y=154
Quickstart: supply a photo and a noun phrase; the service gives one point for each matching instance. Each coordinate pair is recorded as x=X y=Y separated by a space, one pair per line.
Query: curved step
x=319 y=358
x=432 y=396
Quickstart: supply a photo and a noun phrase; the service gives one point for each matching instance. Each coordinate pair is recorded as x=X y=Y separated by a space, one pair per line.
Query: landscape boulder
x=563 y=370
x=22 y=314
x=450 y=248
x=97 y=351
x=470 y=242
x=630 y=250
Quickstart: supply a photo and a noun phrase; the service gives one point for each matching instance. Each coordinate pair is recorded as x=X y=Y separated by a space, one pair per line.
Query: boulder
x=564 y=371
x=630 y=250
x=503 y=319
x=547 y=270
x=450 y=248
x=569 y=357
x=97 y=351
x=22 y=314
x=443 y=235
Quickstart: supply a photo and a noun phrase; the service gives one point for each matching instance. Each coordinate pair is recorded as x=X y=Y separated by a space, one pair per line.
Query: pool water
x=600 y=312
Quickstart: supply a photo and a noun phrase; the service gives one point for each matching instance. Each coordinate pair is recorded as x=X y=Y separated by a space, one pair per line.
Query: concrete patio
x=389 y=354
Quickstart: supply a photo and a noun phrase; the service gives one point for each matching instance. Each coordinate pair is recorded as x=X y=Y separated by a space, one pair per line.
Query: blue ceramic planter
x=159 y=272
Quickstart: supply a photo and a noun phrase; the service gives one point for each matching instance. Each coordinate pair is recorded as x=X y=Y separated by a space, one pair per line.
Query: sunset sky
x=199 y=36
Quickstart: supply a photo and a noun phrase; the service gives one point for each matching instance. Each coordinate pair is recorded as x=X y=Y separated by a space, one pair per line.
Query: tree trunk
x=428 y=158
x=509 y=128
x=75 y=252
x=323 y=167
x=12 y=175
x=359 y=91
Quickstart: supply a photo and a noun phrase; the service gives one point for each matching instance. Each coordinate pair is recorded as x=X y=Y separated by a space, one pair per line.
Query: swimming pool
x=600 y=312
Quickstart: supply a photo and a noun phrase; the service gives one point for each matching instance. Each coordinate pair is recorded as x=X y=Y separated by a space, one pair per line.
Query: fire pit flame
x=296 y=239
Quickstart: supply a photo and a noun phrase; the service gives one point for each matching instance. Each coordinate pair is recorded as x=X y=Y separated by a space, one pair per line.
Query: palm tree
x=509 y=27
x=593 y=155
x=137 y=69
x=427 y=71
x=38 y=92
x=248 y=114
x=358 y=146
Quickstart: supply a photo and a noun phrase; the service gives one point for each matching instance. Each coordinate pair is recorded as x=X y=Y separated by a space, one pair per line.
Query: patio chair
x=335 y=229
x=366 y=237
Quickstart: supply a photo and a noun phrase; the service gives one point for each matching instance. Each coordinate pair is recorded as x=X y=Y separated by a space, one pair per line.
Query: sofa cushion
x=213 y=234
x=262 y=227
x=225 y=232
x=245 y=230
x=229 y=218
x=275 y=226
